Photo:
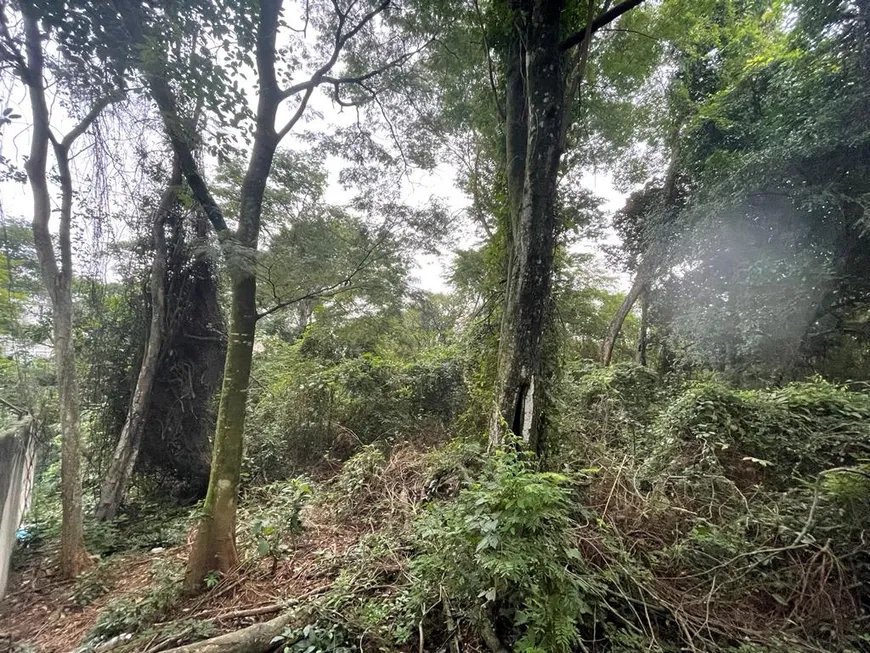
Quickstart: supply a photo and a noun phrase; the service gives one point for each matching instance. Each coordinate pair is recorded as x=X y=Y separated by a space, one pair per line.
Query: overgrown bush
x=501 y=557
x=610 y=404
x=303 y=408
x=753 y=436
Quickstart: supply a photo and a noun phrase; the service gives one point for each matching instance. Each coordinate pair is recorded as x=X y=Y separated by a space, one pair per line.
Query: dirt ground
x=40 y=610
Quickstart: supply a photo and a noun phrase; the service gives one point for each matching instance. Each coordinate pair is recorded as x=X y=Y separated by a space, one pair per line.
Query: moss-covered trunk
x=127 y=449
x=539 y=92
x=215 y=545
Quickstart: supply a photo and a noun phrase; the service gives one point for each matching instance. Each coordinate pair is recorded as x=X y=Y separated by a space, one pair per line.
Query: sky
x=419 y=186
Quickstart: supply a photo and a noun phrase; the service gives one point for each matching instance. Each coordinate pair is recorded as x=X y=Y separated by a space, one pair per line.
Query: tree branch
x=85 y=123
x=604 y=19
x=326 y=291
x=340 y=41
x=498 y=105
x=8 y=51
x=163 y=97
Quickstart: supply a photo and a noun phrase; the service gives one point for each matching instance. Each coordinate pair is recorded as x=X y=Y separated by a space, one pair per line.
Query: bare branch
x=498 y=105
x=340 y=41
x=89 y=119
x=331 y=290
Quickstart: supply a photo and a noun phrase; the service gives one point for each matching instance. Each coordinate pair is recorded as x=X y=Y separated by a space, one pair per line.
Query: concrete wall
x=17 y=458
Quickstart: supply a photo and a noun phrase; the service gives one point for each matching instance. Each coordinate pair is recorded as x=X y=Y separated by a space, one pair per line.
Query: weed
x=130 y=614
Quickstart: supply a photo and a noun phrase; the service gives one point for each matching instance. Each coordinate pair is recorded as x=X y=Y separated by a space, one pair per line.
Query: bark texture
x=57 y=278
x=535 y=87
x=536 y=127
x=127 y=450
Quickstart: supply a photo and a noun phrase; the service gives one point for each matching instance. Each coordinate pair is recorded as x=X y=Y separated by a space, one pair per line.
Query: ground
x=41 y=610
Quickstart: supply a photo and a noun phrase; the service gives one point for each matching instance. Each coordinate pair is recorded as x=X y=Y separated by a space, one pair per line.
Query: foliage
x=130 y=614
x=274 y=512
x=305 y=407
x=801 y=429
x=502 y=550
x=321 y=636
x=139 y=527
x=91 y=585
x=613 y=403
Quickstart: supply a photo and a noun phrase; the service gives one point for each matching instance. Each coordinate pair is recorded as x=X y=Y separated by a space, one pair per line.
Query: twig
x=487 y=633
x=13 y=407
x=169 y=641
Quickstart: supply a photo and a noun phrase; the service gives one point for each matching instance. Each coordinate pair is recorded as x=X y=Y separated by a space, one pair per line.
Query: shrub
x=763 y=435
x=274 y=512
x=610 y=404
x=501 y=554
x=304 y=408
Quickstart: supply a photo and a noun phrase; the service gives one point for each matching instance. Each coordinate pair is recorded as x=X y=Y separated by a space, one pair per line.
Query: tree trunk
x=519 y=393
x=127 y=450
x=644 y=326
x=58 y=283
x=618 y=319
x=214 y=547
x=253 y=639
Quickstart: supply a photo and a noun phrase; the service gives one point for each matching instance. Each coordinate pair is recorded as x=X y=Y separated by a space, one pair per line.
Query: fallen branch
x=253 y=639
x=169 y=641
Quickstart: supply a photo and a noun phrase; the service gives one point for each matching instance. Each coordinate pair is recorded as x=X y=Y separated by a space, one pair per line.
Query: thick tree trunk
x=58 y=283
x=214 y=547
x=519 y=393
x=618 y=319
x=127 y=450
x=536 y=87
x=73 y=557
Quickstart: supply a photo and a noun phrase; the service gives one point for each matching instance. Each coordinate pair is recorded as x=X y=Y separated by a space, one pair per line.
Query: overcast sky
x=418 y=187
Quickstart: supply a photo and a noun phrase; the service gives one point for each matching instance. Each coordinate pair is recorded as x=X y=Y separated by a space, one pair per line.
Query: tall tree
x=56 y=267
x=214 y=545
x=543 y=70
x=127 y=449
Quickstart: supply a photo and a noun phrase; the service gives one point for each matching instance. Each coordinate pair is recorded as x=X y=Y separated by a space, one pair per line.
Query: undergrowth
x=729 y=520
x=734 y=521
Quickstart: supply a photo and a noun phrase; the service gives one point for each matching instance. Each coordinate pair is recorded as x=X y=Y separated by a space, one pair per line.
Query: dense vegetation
x=645 y=429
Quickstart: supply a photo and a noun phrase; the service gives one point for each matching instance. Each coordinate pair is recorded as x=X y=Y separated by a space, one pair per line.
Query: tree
x=258 y=25
x=31 y=68
x=127 y=449
x=543 y=71
x=772 y=255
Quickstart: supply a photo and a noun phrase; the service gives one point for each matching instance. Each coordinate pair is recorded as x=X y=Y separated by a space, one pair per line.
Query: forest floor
x=714 y=560
x=43 y=611
x=44 y=614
